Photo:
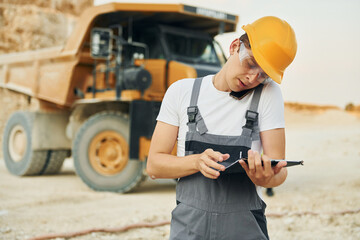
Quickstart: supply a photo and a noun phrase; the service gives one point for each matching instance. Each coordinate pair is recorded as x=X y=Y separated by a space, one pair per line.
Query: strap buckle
x=251 y=118
x=251 y=115
x=191 y=112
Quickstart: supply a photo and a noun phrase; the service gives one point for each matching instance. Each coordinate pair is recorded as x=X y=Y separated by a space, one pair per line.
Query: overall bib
x=224 y=208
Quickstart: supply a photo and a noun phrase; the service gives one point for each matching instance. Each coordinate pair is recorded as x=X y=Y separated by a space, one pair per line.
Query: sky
x=326 y=69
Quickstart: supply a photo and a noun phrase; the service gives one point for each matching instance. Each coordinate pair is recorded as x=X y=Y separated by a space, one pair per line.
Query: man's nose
x=252 y=78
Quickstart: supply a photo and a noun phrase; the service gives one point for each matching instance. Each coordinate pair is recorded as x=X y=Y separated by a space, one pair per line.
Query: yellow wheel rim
x=108 y=153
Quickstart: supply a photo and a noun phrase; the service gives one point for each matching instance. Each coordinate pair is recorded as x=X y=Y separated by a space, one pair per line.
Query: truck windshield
x=191 y=49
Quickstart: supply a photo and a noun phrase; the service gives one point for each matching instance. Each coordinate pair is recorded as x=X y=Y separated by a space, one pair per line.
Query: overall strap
x=195 y=119
x=252 y=114
x=195 y=92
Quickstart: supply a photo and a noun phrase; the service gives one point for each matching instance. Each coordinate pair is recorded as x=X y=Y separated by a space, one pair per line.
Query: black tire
x=123 y=181
x=22 y=162
x=55 y=160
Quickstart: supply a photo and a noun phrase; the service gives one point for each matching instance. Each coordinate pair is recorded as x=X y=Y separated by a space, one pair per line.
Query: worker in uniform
x=218 y=119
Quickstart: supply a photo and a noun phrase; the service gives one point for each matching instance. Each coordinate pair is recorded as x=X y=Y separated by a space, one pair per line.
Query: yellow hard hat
x=273 y=44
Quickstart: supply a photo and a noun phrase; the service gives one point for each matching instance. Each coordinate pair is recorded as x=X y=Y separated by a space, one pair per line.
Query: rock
x=5 y=230
x=3 y=212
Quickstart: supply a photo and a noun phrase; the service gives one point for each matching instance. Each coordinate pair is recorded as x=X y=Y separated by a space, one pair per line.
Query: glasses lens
x=250 y=65
x=262 y=77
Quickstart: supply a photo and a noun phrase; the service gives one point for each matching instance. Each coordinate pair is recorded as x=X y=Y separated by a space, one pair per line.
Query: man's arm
x=161 y=164
x=273 y=142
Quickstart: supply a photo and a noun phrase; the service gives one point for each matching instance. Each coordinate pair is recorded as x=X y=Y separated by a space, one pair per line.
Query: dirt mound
x=30 y=25
x=303 y=115
x=309 y=107
x=353 y=109
x=74 y=7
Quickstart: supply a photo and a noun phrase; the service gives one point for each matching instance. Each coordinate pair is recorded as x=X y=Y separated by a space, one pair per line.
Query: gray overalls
x=225 y=208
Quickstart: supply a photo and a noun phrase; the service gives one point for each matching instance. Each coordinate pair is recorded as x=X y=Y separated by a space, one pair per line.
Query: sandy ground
x=327 y=184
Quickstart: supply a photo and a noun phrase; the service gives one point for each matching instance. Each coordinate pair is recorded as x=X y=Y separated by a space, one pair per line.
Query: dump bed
x=52 y=74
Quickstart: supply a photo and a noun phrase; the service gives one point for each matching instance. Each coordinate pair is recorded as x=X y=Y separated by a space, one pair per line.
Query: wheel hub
x=108 y=153
x=17 y=143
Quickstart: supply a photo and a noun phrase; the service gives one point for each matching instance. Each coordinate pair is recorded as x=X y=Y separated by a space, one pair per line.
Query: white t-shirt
x=222 y=114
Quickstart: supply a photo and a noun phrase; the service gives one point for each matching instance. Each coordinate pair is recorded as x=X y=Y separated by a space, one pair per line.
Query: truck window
x=191 y=49
x=151 y=38
x=219 y=53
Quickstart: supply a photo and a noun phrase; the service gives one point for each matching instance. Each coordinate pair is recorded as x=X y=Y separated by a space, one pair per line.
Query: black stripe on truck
x=209 y=13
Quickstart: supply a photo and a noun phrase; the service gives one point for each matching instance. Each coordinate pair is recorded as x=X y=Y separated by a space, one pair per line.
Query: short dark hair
x=245 y=39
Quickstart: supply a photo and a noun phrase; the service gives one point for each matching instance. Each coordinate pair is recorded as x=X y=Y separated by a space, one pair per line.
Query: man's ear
x=234 y=46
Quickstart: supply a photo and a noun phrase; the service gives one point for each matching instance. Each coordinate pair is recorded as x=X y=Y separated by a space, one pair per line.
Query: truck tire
x=101 y=154
x=55 y=160
x=20 y=158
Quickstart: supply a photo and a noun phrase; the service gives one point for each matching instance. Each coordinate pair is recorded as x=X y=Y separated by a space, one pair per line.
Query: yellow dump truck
x=98 y=96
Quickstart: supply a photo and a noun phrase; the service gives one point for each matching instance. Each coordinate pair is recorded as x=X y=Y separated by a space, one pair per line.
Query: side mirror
x=101 y=43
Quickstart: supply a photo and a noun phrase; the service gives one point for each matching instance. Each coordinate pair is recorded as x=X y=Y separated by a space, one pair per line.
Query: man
x=237 y=113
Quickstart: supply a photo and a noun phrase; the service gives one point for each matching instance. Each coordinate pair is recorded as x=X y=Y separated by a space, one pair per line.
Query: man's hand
x=207 y=163
x=260 y=174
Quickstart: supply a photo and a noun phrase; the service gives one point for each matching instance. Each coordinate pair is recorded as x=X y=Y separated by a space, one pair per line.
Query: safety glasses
x=250 y=65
